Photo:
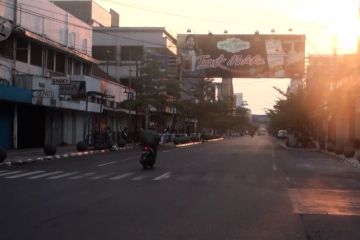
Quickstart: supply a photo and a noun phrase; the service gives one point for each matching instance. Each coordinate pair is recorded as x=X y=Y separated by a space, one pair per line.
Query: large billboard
x=241 y=56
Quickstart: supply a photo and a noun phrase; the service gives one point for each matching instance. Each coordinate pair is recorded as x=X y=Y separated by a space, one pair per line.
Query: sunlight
x=347 y=33
x=345 y=27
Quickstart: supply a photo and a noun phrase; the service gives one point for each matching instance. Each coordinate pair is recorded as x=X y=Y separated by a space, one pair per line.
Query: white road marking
x=208 y=177
x=81 y=176
x=166 y=151
x=105 y=164
x=24 y=174
x=130 y=158
x=122 y=176
x=9 y=173
x=138 y=178
x=45 y=175
x=164 y=176
x=101 y=176
x=2 y=171
x=62 y=175
x=273 y=157
x=274 y=167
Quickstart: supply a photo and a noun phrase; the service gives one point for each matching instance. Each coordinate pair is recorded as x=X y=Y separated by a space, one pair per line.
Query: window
x=35 y=54
x=104 y=53
x=86 y=69
x=60 y=62
x=22 y=46
x=6 y=48
x=70 y=66
x=131 y=53
x=77 y=67
x=50 y=60
x=84 y=46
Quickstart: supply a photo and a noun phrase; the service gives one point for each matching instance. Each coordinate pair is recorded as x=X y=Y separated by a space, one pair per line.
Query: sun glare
x=347 y=34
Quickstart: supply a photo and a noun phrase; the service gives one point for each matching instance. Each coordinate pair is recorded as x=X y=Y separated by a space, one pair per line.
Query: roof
x=49 y=42
x=135 y=29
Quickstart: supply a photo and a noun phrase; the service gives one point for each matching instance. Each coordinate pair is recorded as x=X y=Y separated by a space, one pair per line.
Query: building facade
x=332 y=86
x=46 y=71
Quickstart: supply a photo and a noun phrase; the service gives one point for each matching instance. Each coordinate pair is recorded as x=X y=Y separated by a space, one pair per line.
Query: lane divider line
x=122 y=176
x=105 y=164
x=24 y=174
x=164 y=176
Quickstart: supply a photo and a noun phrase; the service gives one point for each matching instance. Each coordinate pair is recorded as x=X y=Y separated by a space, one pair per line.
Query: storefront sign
x=61 y=81
x=75 y=89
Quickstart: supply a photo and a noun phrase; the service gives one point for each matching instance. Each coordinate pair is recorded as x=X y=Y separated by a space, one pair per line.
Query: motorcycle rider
x=150 y=138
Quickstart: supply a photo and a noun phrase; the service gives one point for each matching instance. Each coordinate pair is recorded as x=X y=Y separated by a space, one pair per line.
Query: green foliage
x=291 y=113
x=151 y=87
x=215 y=115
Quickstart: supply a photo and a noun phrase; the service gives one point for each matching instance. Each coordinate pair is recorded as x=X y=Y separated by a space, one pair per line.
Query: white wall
x=100 y=15
x=44 y=18
x=129 y=37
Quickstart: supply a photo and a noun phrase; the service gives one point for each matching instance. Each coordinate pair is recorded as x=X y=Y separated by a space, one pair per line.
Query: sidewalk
x=24 y=156
x=32 y=155
x=351 y=161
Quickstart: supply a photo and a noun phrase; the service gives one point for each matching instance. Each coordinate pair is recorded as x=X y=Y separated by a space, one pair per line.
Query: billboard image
x=241 y=56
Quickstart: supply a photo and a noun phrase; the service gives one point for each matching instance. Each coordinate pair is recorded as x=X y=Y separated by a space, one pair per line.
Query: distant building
x=239 y=99
x=294 y=85
x=123 y=50
x=90 y=12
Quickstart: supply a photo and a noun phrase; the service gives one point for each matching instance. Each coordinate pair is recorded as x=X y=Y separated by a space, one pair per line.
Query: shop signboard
x=76 y=89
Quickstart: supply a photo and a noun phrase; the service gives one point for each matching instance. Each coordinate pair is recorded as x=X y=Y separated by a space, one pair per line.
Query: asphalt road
x=241 y=188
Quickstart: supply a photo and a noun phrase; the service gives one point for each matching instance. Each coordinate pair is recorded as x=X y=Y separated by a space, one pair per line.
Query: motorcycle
x=148 y=157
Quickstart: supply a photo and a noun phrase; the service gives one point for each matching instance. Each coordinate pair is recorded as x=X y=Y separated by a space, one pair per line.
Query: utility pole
x=15 y=120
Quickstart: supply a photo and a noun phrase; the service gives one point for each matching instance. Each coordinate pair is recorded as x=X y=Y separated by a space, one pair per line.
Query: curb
x=196 y=143
x=351 y=161
x=60 y=156
x=282 y=144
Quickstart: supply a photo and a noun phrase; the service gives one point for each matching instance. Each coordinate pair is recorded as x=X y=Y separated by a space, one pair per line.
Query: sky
x=326 y=24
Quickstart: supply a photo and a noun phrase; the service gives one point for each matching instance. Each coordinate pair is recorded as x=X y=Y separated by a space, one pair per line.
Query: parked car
x=282 y=134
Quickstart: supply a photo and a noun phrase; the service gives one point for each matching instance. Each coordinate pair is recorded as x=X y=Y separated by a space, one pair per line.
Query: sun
x=347 y=35
x=345 y=32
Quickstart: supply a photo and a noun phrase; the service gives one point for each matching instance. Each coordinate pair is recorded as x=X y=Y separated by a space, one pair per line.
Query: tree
x=291 y=113
x=152 y=88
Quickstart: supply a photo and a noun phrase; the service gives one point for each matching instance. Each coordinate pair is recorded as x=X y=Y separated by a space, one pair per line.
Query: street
x=238 y=188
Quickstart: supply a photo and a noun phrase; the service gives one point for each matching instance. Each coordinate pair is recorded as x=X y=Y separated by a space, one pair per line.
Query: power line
x=76 y=25
x=171 y=13
x=174 y=14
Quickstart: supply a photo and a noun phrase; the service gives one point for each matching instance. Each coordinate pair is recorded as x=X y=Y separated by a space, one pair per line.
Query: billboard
x=241 y=56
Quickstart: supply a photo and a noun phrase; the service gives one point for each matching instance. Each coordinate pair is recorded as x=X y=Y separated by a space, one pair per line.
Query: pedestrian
x=125 y=134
